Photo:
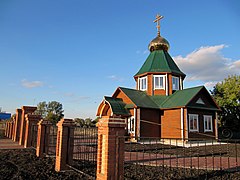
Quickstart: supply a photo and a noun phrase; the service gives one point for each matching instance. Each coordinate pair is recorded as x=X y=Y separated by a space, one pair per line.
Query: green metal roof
x=139 y=98
x=117 y=106
x=160 y=61
x=181 y=97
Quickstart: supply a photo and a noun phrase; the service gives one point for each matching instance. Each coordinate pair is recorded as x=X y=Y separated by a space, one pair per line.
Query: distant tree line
x=88 y=122
x=53 y=111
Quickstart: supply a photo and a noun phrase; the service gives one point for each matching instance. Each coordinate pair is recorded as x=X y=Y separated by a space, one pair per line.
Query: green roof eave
x=129 y=106
x=139 y=98
x=159 y=61
x=117 y=106
x=205 y=108
x=178 y=99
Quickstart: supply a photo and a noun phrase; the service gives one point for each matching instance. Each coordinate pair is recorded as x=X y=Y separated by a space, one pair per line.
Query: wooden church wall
x=171 y=123
x=150 y=120
x=201 y=133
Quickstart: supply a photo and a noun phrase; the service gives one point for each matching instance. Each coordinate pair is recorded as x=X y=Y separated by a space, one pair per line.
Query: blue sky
x=75 y=52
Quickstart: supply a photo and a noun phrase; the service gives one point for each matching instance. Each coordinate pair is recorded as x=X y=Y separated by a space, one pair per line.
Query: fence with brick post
x=11 y=123
x=85 y=151
x=25 y=110
x=31 y=120
x=17 y=125
x=7 y=129
x=64 y=147
x=42 y=137
x=13 y=128
x=110 y=157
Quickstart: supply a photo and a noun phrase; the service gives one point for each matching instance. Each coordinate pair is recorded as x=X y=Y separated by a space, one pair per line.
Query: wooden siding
x=201 y=133
x=150 y=84
x=171 y=123
x=170 y=84
x=206 y=98
x=159 y=92
x=185 y=124
x=153 y=128
x=122 y=96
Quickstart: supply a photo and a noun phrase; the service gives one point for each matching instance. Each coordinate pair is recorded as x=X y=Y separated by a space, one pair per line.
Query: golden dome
x=158 y=43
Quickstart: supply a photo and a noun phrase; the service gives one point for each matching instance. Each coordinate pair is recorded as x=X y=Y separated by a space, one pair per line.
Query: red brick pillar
x=42 y=137
x=11 y=129
x=31 y=120
x=110 y=157
x=13 y=126
x=17 y=125
x=25 y=110
x=7 y=129
x=64 y=146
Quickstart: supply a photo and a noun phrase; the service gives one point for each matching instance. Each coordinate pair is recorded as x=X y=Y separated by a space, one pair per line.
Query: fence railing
x=34 y=134
x=50 y=148
x=144 y=158
x=85 y=150
x=2 y=128
x=152 y=158
x=2 y=124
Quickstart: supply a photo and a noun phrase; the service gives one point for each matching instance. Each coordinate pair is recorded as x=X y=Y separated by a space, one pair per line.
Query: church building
x=160 y=106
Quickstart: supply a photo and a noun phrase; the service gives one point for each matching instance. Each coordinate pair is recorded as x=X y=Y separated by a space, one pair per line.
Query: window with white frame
x=207 y=123
x=143 y=83
x=131 y=125
x=159 y=81
x=193 y=122
x=175 y=83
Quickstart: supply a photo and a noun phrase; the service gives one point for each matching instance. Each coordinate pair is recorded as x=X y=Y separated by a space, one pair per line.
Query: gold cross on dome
x=157 y=20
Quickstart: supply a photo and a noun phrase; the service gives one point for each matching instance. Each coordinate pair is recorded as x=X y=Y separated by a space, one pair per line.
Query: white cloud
x=115 y=78
x=210 y=84
x=31 y=84
x=207 y=64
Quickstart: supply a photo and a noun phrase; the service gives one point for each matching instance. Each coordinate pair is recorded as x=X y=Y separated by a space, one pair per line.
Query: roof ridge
x=137 y=96
x=166 y=59
x=128 y=88
x=200 y=86
x=154 y=54
x=181 y=91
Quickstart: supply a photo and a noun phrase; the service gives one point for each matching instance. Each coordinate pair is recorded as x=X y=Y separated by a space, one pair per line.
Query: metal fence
x=85 y=150
x=152 y=158
x=34 y=132
x=2 y=124
x=50 y=148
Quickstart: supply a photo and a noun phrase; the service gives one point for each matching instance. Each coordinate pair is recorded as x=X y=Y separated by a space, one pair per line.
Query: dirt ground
x=22 y=164
x=225 y=150
x=133 y=172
